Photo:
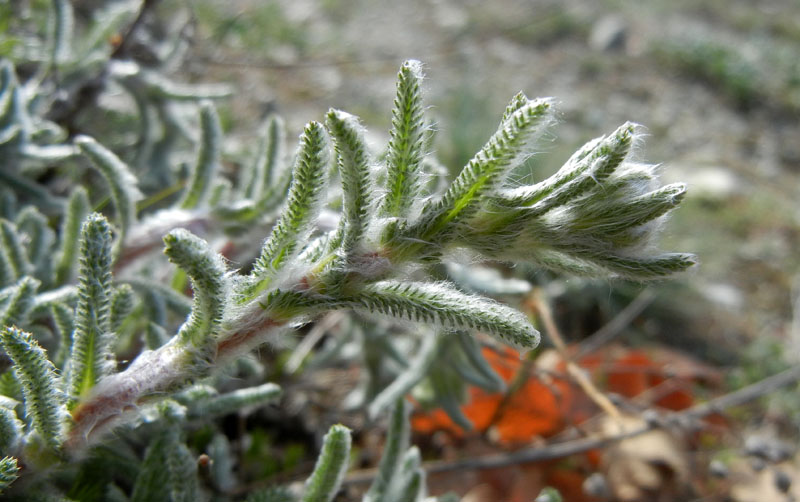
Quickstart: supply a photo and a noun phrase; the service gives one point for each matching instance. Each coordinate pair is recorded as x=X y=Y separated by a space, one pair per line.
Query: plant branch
x=117 y=397
x=614 y=327
x=538 y=303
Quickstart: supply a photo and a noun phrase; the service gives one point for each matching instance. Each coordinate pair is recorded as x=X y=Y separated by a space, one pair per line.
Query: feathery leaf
x=449 y=308
x=331 y=466
x=11 y=246
x=20 y=300
x=40 y=241
x=91 y=358
x=205 y=168
x=485 y=171
x=36 y=374
x=485 y=376
x=77 y=210
x=354 y=169
x=268 y=159
x=207 y=272
x=305 y=194
x=396 y=445
x=122 y=303
x=123 y=183
x=406 y=143
x=61 y=21
x=405 y=381
x=410 y=485
x=8 y=472
x=10 y=430
x=230 y=402
x=169 y=471
x=64 y=322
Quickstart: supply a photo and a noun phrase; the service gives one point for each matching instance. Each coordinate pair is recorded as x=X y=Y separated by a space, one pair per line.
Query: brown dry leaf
x=651 y=467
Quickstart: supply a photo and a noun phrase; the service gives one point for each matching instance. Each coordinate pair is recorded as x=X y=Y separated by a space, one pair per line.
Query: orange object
x=544 y=405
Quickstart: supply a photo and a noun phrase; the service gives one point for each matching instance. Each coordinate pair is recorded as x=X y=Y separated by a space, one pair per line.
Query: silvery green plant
x=81 y=291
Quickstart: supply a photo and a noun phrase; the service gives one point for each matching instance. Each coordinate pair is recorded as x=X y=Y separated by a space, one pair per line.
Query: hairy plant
x=116 y=362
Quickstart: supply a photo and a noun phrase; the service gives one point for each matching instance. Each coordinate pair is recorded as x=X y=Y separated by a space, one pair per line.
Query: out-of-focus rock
x=609 y=33
x=706 y=182
x=768 y=448
x=449 y=16
x=724 y=295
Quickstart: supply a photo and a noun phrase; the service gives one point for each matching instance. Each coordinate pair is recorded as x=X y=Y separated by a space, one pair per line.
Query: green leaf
x=609 y=219
x=518 y=101
x=218 y=405
x=410 y=483
x=6 y=271
x=159 y=87
x=155 y=336
x=586 y=169
x=449 y=391
x=285 y=305
x=405 y=381
x=91 y=357
x=40 y=241
x=273 y=494
x=292 y=229
x=19 y=301
x=549 y=495
x=444 y=306
x=122 y=303
x=10 y=386
x=43 y=402
x=651 y=267
x=64 y=323
x=77 y=210
x=222 y=463
x=329 y=471
x=62 y=26
x=204 y=170
x=8 y=472
x=11 y=246
x=123 y=183
x=354 y=169
x=406 y=143
x=475 y=368
x=485 y=172
x=10 y=430
x=220 y=192
x=397 y=442
x=207 y=270
x=265 y=169
x=169 y=471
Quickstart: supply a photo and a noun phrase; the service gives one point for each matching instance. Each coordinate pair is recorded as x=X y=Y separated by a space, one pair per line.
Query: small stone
x=718 y=469
x=653 y=418
x=714 y=183
x=596 y=486
x=609 y=33
x=724 y=295
x=757 y=464
x=782 y=481
x=768 y=449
